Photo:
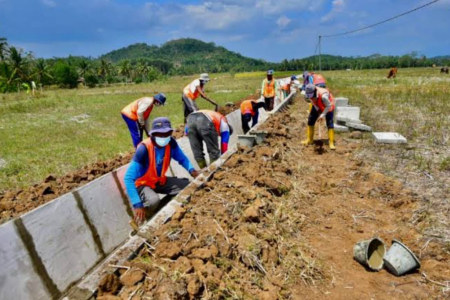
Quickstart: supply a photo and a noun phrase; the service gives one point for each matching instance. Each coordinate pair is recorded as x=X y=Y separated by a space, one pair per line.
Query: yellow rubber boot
x=309 y=136
x=310 y=108
x=331 y=139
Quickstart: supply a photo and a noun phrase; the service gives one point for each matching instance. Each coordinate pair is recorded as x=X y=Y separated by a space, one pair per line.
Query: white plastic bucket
x=399 y=260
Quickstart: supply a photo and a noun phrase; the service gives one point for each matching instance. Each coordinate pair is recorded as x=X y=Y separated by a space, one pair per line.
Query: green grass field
x=63 y=130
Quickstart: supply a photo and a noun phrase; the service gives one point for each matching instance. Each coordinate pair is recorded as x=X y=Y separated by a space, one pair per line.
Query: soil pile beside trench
x=280 y=221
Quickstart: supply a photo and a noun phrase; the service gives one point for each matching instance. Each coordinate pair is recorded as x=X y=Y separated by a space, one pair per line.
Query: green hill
x=188 y=56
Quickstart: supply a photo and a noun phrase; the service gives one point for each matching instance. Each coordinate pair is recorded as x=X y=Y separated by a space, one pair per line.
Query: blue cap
x=161 y=125
x=161 y=98
x=270 y=72
x=293 y=77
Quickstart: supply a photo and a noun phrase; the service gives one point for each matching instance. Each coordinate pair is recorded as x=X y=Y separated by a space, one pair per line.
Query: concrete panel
x=350 y=112
x=341 y=102
x=344 y=121
x=389 y=138
x=121 y=174
x=340 y=128
x=358 y=126
x=62 y=240
x=18 y=280
x=106 y=210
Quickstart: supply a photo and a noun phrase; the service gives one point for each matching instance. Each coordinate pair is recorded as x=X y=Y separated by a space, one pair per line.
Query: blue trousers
x=136 y=134
x=314 y=115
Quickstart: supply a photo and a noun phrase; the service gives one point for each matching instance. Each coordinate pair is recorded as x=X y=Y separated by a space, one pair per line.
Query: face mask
x=162 y=141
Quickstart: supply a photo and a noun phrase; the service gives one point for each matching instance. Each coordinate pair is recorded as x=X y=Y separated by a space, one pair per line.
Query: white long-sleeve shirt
x=143 y=105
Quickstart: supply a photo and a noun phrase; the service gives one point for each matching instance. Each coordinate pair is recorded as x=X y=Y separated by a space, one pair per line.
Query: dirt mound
x=15 y=203
x=280 y=221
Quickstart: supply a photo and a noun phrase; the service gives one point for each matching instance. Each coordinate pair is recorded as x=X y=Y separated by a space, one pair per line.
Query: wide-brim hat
x=309 y=91
x=161 y=125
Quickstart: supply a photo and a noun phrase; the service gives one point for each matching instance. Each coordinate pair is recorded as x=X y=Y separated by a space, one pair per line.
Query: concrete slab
x=344 y=121
x=341 y=102
x=350 y=112
x=389 y=138
x=106 y=210
x=358 y=126
x=62 y=240
x=18 y=279
x=340 y=128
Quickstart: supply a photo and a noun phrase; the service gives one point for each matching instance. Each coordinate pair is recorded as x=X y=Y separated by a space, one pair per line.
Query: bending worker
x=318 y=80
x=145 y=177
x=250 y=111
x=268 y=89
x=208 y=125
x=323 y=108
x=191 y=93
x=136 y=113
x=286 y=86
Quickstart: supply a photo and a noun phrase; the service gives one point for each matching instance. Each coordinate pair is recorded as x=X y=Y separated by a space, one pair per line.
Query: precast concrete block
x=349 y=112
x=18 y=278
x=62 y=240
x=121 y=175
x=358 y=126
x=340 y=128
x=341 y=102
x=106 y=210
x=344 y=121
x=389 y=138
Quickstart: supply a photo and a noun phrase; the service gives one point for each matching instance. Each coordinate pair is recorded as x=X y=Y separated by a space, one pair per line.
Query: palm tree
x=41 y=70
x=142 y=69
x=104 y=69
x=3 y=48
x=83 y=68
x=125 y=68
x=18 y=65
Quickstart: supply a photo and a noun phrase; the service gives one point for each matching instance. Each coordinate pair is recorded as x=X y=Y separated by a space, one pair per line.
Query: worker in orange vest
x=250 y=111
x=323 y=108
x=207 y=126
x=136 y=113
x=318 y=80
x=192 y=91
x=287 y=84
x=268 y=90
x=146 y=175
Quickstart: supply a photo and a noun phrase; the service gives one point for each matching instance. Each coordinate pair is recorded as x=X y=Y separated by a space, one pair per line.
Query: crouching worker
x=250 y=112
x=323 y=108
x=136 y=113
x=145 y=177
x=207 y=126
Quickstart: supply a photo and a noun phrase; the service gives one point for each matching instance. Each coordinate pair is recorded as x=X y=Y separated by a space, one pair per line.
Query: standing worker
x=136 y=113
x=208 y=125
x=191 y=93
x=250 y=111
x=323 y=108
x=145 y=177
x=268 y=89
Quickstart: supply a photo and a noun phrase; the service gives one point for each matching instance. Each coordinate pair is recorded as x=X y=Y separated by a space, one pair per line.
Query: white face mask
x=162 y=141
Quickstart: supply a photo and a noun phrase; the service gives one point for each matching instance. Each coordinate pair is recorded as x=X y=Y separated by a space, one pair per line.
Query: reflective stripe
x=151 y=177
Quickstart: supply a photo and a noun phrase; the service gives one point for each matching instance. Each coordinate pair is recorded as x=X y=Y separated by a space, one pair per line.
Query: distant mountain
x=188 y=56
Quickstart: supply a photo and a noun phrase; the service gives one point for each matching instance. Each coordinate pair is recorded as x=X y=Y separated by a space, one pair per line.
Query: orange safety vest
x=247 y=107
x=269 y=88
x=318 y=101
x=187 y=91
x=215 y=117
x=131 y=110
x=151 y=177
x=319 y=79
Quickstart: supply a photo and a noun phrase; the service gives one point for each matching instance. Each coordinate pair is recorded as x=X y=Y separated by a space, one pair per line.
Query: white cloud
x=280 y=6
x=337 y=7
x=283 y=21
x=49 y=3
x=216 y=16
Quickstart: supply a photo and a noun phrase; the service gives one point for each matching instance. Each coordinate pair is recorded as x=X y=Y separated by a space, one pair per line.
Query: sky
x=268 y=29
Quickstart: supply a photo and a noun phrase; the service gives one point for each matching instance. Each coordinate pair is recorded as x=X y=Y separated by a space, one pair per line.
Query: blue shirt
x=140 y=164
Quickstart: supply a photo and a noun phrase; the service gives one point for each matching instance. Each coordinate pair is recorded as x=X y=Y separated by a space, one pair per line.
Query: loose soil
x=279 y=221
x=17 y=202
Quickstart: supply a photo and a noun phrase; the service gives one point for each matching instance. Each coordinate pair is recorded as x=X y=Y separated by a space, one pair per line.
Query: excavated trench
x=279 y=221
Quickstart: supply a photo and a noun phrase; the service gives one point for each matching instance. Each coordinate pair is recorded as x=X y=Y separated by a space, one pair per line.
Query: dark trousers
x=314 y=115
x=136 y=134
x=150 y=197
x=189 y=106
x=269 y=103
x=245 y=118
x=201 y=129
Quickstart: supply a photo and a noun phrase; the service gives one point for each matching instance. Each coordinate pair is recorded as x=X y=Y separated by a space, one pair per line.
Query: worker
x=136 y=114
x=145 y=177
x=250 y=111
x=287 y=84
x=307 y=79
x=191 y=93
x=323 y=108
x=318 y=80
x=207 y=126
x=268 y=89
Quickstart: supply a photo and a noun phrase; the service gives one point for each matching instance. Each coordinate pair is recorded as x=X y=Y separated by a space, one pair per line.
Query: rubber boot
x=310 y=108
x=309 y=136
x=201 y=163
x=331 y=138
